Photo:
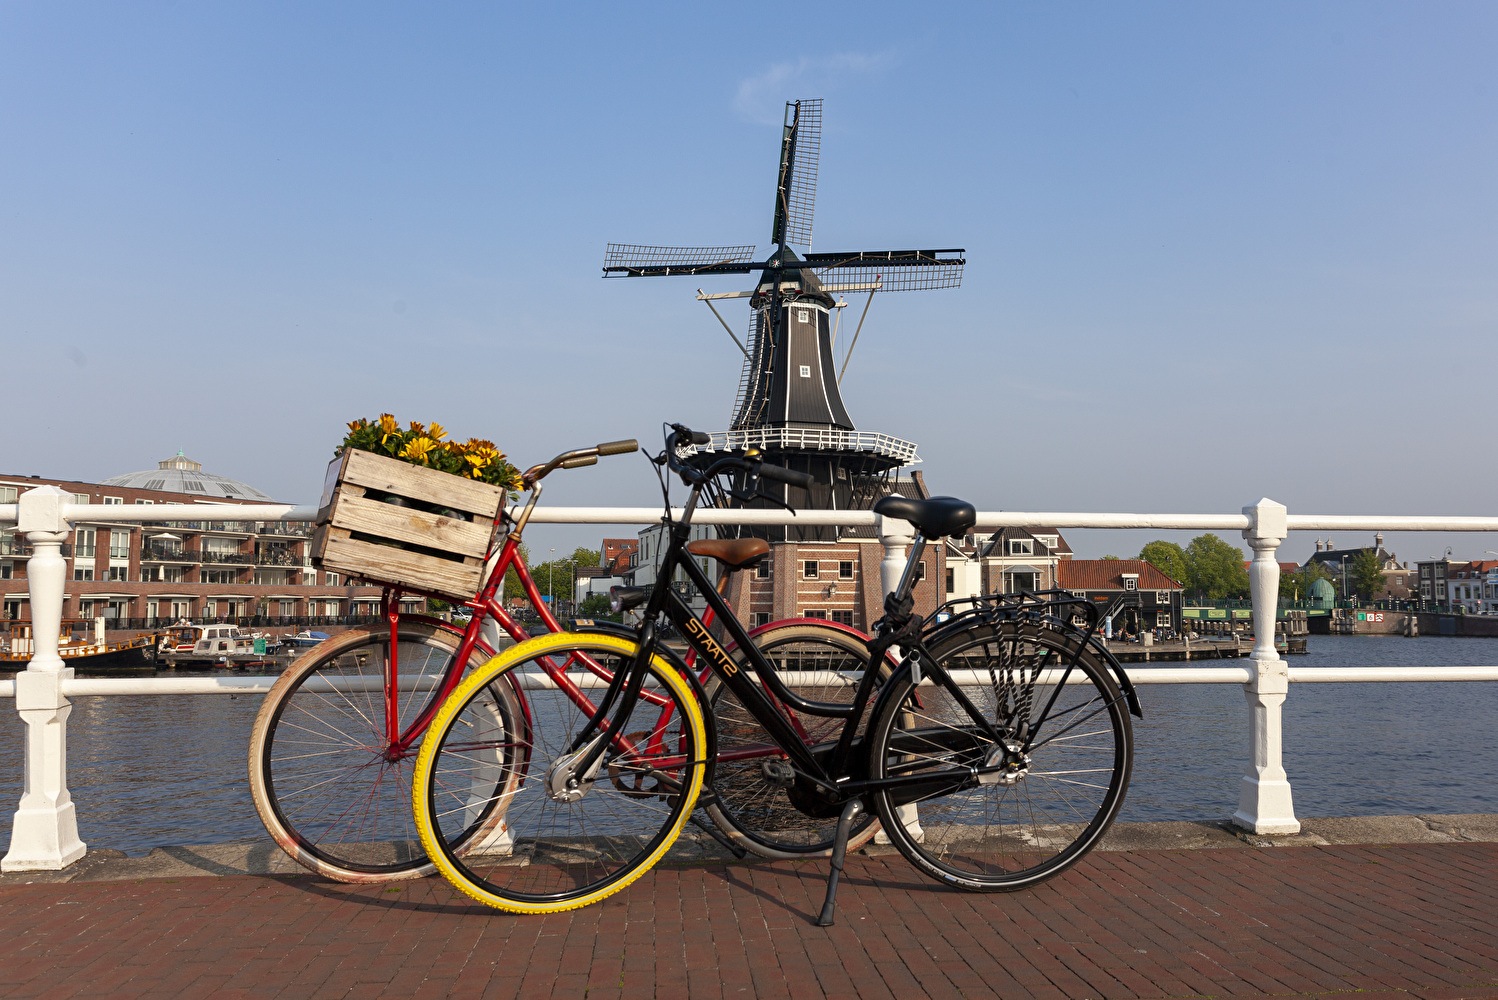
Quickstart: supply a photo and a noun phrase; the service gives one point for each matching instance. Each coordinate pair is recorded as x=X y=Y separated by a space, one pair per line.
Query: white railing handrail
x=84 y=687
x=44 y=833
x=155 y=513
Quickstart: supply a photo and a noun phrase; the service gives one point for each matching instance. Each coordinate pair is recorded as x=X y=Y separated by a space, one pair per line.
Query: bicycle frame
x=488 y=604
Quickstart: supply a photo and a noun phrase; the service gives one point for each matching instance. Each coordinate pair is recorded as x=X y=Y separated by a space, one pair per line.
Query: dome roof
x=180 y=474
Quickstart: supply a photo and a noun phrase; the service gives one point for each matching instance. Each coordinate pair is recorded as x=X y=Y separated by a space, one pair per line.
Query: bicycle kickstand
x=850 y=814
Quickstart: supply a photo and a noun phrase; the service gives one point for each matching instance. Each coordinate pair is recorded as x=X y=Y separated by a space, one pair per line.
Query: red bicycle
x=333 y=745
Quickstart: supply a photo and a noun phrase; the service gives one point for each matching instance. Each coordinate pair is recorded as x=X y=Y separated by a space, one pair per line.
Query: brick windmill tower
x=789 y=404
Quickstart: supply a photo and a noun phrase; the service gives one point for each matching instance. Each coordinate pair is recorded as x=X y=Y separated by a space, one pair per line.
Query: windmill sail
x=796 y=181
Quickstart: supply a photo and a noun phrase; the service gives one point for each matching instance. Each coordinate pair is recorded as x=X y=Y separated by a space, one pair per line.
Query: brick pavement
x=1407 y=920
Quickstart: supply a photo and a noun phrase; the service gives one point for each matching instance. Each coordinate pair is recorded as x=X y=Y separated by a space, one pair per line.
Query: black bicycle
x=996 y=754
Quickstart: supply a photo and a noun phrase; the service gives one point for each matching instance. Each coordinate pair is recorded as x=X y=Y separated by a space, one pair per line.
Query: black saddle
x=936 y=517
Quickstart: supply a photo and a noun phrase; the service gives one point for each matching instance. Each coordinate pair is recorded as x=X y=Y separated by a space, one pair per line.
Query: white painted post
x=896 y=535
x=44 y=834
x=1264 y=800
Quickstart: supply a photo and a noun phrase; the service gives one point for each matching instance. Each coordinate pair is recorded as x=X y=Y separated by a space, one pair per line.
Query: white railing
x=45 y=831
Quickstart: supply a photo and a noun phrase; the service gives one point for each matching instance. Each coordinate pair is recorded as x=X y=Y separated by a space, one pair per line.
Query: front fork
x=573 y=773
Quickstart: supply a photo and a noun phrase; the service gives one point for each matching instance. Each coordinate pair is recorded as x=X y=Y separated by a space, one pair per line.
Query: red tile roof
x=1108 y=574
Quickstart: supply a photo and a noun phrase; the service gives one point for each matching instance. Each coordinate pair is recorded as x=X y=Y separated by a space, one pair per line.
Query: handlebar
x=750 y=463
x=784 y=475
x=577 y=459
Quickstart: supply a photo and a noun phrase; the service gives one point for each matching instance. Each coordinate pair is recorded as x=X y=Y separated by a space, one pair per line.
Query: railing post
x=44 y=834
x=1264 y=800
x=896 y=535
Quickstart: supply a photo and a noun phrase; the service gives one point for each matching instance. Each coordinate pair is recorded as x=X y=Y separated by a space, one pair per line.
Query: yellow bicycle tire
x=422 y=798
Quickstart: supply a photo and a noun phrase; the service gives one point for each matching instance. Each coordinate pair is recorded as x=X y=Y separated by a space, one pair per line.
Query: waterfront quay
x=1388 y=907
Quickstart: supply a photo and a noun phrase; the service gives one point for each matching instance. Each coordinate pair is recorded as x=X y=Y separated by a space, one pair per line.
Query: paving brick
x=1412 y=921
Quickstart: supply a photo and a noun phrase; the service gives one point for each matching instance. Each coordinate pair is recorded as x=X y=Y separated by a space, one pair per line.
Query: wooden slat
x=386 y=563
x=402 y=524
x=361 y=468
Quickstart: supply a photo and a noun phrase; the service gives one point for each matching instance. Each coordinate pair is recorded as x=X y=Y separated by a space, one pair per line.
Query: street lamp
x=1344 y=578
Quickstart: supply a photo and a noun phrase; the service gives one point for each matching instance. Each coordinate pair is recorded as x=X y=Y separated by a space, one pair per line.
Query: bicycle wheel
x=560 y=845
x=325 y=781
x=750 y=779
x=1065 y=753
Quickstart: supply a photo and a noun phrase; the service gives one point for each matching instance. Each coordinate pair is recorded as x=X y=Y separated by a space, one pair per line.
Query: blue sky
x=1216 y=252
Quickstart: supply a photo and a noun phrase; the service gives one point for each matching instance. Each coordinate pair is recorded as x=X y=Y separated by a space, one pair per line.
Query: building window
x=1131 y=583
x=1021 y=547
x=1079 y=593
x=113 y=501
x=1162 y=620
x=809 y=569
x=83 y=572
x=119 y=544
x=814 y=613
x=144 y=503
x=951 y=579
x=762 y=569
x=330 y=579
x=84 y=540
x=845 y=570
x=119 y=574
x=1162 y=597
x=843 y=618
x=8 y=494
x=759 y=618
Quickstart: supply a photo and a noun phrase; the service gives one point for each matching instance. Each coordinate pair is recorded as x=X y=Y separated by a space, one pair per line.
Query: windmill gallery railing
x=45 y=831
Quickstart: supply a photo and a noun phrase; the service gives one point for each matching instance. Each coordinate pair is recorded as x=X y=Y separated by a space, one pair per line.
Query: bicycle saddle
x=936 y=517
x=735 y=553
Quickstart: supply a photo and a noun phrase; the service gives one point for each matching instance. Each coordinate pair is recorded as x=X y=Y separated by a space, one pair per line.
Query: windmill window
x=803 y=315
x=806 y=371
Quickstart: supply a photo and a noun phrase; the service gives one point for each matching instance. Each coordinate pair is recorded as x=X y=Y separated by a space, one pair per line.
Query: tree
x=1215 y=569
x=594 y=606
x=1364 y=574
x=1167 y=557
x=1297 y=586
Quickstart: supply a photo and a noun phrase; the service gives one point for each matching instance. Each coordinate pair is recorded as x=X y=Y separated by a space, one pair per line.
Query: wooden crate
x=360 y=533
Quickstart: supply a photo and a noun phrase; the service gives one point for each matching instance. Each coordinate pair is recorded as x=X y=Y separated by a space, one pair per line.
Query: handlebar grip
x=619 y=447
x=578 y=461
x=700 y=437
x=788 y=476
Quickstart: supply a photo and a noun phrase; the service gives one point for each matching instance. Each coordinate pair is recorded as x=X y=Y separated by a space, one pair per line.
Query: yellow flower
x=437 y=432
x=355 y=426
x=418 y=448
x=388 y=428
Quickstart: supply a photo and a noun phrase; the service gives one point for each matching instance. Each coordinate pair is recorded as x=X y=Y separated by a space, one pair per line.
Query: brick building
x=1156 y=597
x=213 y=569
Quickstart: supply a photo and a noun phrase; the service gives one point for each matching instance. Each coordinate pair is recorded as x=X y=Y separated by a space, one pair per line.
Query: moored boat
x=304 y=639
x=82 y=644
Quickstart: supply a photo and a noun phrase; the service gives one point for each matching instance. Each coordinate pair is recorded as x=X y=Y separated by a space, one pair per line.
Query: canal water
x=151 y=772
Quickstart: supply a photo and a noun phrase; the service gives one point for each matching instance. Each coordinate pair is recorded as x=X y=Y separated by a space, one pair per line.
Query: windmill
x=789 y=404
